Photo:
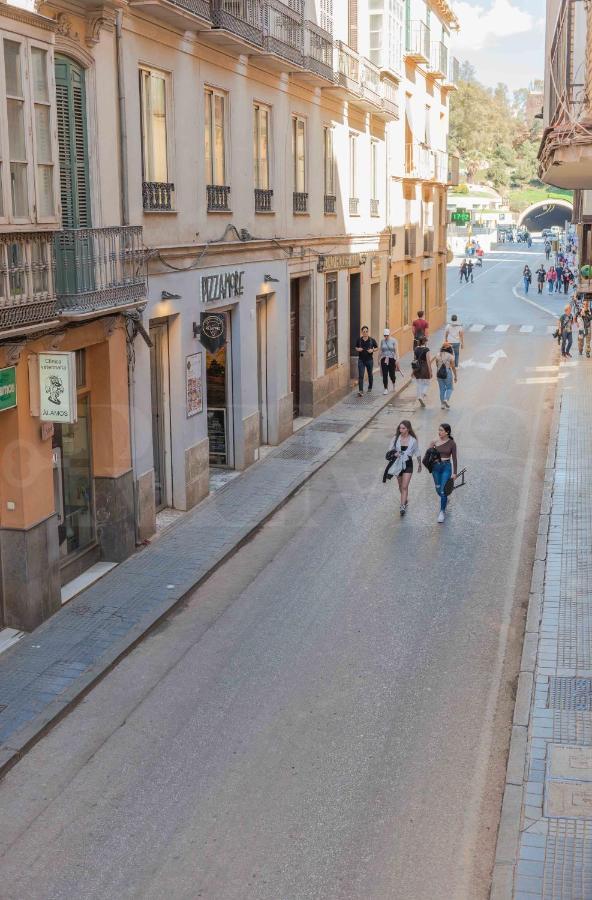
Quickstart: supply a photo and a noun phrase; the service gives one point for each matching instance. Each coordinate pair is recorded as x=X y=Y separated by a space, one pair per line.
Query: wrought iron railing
x=97 y=268
x=354 y=206
x=27 y=295
x=347 y=68
x=300 y=201
x=568 y=63
x=241 y=17
x=200 y=8
x=374 y=206
x=390 y=98
x=439 y=59
x=418 y=41
x=218 y=197
x=453 y=71
x=284 y=29
x=419 y=162
x=453 y=170
x=370 y=79
x=411 y=241
x=157 y=195
x=440 y=166
x=330 y=204
x=263 y=200
x=318 y=50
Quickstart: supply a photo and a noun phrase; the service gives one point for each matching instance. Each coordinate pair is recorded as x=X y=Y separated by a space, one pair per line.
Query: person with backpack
x=446 y=465
x=541 y=275
x=388 y=353
x=566 y=321
x=445 y=373
x=421 y=367
x=526 y=277
x=551 y=279
x=420 y=328
x=403 y=447
x=456 y=335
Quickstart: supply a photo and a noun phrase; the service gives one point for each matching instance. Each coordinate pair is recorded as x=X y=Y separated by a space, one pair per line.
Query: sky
x=503 y=39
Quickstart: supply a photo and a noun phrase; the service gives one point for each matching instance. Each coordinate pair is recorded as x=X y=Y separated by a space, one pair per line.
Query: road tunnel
x=546 y=214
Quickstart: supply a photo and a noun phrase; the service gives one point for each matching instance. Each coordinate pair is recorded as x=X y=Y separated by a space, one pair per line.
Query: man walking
x=541 y=275
x=559 y=278
x=470 y=268
x=463 y=271
x=366 y=348
x=455 y=336
x=420 y=328
x=566 y=332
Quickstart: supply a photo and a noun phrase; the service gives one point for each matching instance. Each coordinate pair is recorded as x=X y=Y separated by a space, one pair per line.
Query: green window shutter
x=73 y=144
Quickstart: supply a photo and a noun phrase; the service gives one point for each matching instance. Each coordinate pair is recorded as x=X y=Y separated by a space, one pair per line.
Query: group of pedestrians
x=466 y=271
x=575 y=318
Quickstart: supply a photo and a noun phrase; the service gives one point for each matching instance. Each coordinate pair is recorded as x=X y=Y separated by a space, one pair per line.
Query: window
x=155 y=161
x=43 y=142
x=407 y=293
x=299 y=154
x=386 y=33
x=331 y=319
x=428 y=127
x=374 y=170
x=353 y=165
x=329 y=163
x=215 y=137
x=261 y=146
x=17 y=144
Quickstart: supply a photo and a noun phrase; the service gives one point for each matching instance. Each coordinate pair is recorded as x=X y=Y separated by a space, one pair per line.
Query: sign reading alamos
x=340 y=261
x=222 y=286
x=7 y=388
x=57 y=387
x=212 y=332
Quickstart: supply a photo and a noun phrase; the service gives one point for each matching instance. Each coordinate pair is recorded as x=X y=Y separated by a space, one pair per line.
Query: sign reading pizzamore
x=222 y=286
x=340 y=261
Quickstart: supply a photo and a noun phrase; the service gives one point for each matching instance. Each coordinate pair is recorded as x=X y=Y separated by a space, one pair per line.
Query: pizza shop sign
x=222 y=286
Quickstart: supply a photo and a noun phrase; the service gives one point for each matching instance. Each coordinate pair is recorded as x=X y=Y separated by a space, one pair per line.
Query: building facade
x=236 y=189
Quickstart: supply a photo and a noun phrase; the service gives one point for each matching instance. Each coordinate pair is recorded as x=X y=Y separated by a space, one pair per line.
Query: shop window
x=74 y=488
x=331 y=353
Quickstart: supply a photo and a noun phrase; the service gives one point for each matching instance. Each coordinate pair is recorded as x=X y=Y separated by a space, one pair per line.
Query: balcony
x=330 y=204
x=370 y=97
x=354 y=206
x=390 y=100
x=218 y=197
x=418 y=43
x=428 y=242
x=374 y=206
x=347 y=72
x=439 y=60
x=283 y=40
x=157 y=196
x=300 y=201
x=27 y=295
x=318 y=56
x=410 y=241
x=99 y=269
x=263 y=200
x=238 y=24
x=450 y=82
x=440 y=167
x=565 y=154
x=419 y=163
x=185 y=15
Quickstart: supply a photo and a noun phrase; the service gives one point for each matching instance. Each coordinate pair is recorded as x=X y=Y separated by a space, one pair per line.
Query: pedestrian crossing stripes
x=526 y=329
x=477 y=327
x=506 y=328
x=501 y=327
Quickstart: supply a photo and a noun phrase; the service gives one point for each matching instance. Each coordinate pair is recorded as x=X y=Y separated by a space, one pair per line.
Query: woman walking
x=446 y=467
x=527 y=278
x=422 y=369
x=404 y=446
x=445 y=373
x=388 y=354
x=551 y=279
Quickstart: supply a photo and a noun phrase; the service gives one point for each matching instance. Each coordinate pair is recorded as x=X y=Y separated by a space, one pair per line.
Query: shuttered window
x=14 y=63
x=299 y=153
x=153 y=98
x=261 y=116
x=72 y=144
x=352 y=38
x=329 y=162
x=326 y=15
x=215 y=136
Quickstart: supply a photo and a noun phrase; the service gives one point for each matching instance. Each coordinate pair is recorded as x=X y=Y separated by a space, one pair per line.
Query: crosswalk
x=507 y=328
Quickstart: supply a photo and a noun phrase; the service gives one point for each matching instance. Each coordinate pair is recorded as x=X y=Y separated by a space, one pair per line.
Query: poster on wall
x=57 y=387
x=194 y=384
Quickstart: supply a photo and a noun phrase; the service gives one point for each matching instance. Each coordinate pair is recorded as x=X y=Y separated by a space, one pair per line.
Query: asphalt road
x=328 y=716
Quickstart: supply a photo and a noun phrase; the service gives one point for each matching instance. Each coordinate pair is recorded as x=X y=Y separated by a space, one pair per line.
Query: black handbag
x=430 y=458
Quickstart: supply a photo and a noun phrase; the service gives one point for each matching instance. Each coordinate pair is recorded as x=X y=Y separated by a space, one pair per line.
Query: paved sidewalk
x=48 y=670
x=544 y=845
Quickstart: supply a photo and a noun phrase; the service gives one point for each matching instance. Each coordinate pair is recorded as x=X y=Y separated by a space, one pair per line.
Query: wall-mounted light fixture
x=166 y=295
x=196 y=329
x=267 y=278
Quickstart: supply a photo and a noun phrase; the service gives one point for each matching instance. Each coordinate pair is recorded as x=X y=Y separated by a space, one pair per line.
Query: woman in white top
x=405 y=446
x=445 y=373
x=456 y=336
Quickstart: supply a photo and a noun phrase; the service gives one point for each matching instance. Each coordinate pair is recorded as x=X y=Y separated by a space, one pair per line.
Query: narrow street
x=328 y=716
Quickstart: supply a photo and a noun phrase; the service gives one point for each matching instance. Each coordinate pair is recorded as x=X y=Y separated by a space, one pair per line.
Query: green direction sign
x=7 y=388
x=460 y=215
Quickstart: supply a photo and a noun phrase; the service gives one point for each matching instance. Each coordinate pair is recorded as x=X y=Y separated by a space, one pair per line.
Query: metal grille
x=299 y=451
x=570 y=693
x=300 y=200
x=157 y=195
x=374 y=204
x=568 y=860
x=263 y=200
x=330 y=202
x=241 y=17
x=218 y=197
x=335 y=427
x=354 y=206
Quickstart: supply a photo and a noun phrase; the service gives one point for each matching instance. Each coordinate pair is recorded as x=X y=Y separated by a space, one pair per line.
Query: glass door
x=73 y=482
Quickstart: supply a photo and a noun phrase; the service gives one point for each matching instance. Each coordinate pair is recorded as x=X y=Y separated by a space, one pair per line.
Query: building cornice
x=445 y=12
x=27 y=17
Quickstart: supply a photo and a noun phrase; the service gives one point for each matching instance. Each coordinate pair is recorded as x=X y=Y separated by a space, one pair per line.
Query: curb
x=24 y=739
x=508 y=835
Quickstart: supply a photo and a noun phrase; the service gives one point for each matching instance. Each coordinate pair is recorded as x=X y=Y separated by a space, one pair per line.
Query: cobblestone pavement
x=42 y=675
x=545 y=839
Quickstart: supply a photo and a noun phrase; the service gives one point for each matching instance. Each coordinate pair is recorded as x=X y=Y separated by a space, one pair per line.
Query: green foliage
x=522 y=197
x=461 y=189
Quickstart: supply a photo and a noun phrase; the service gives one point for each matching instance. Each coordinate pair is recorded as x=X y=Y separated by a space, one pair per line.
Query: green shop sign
x=7 y=388
x=460 y=215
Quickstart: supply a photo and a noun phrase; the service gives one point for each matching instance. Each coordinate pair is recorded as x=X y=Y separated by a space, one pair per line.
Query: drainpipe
x=123 y=166
x=389 y=230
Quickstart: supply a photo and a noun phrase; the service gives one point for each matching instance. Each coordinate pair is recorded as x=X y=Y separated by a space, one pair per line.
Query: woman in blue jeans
x=447 y=467
x=444 y=362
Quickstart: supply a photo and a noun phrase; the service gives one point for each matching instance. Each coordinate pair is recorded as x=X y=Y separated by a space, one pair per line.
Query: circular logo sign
x=213 y=326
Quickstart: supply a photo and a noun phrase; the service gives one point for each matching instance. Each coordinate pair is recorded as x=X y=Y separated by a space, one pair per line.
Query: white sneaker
x=441 y=517
x=385 y=391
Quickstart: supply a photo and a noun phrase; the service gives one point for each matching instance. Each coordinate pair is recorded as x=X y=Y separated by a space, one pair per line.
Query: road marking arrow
x=493 y=358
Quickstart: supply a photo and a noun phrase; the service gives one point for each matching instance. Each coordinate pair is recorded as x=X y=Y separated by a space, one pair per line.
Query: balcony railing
x=243 y=18
x=428 y=242
x=453 y=170
x=27 y=295
x=410 y=241
x=418 y=42
x=157 y=195
x=99 y=268
x=374 y=206
x=347 y=68
x=300 y=201
x=370 y=82
x=568 y=63
x=284 y=30
x=439 y=59
x=318 y=51
x=263 y=200
x=330 y=204
x=218 y=197
x=354 y=206
x=390 y=99
x=419 y=162
x=453 y=73
x=440 y=166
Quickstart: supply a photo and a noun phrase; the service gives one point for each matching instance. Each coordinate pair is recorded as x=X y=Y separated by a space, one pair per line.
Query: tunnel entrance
x=546 y=214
